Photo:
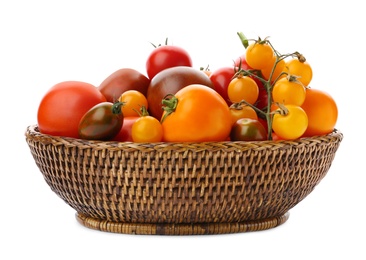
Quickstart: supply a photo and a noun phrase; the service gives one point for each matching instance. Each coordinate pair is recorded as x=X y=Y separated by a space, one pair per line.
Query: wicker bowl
x=182 y=188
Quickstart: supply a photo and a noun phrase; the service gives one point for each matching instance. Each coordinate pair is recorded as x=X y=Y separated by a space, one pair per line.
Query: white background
x=45 y=42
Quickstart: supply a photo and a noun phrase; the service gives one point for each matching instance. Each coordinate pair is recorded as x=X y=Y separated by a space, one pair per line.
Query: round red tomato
x=221 y=78
x=63 y=106
x=166 y=56
x=125 y=134
x=122 y=80
x=169 y=81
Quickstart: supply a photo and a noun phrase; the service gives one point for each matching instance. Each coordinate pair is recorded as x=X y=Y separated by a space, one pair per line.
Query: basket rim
x=32 y=133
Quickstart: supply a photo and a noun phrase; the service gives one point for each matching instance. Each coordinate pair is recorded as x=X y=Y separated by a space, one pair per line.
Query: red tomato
x=122 y=80
x=221 y=78
x=247 y=129
x=166 y=56
x=125 y=134
x=63 y=106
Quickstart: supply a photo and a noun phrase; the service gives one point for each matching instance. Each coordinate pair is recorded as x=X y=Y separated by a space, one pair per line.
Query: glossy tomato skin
x=169 y=81
x=125 y=134
x=221 y=78
x=62 y=107
x=122 y=80
x=101 y=122
x=247 y=129
x=166 y=56
x=201 y=115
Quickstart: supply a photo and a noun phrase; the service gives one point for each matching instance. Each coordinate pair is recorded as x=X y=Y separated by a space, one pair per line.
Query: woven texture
x=181 y=183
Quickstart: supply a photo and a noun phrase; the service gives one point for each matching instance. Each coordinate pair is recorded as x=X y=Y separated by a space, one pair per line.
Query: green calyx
x=169 y=103
x=116 y=108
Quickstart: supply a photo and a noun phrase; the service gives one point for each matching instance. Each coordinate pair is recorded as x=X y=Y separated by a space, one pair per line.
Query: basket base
x=180 y=229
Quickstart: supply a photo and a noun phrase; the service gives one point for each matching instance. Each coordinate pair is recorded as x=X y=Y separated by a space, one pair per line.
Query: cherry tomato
x=260 y=55
x=291 y=123
x=125 y=134
x=169 y=81
x=322 y=112
x=147 y=129
x=101 y=122
x=289 y=90
x=301 y=69
x=122 y=80
x=247 y=129
x=238 y=111
x=243 y=88
x=62 y=107
x=276 y=74
x=132 y=100
x=196 y=113
x=221 y=78
x=166 y=56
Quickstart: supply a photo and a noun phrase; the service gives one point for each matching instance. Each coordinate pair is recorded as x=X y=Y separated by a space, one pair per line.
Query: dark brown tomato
x=120 y=81
x=102 y=122
x=169 y=81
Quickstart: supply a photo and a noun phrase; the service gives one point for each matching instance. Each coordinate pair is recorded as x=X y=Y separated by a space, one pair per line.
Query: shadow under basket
x=182 y=188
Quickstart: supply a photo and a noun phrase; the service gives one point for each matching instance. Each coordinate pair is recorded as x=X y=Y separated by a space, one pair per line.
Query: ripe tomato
x=247 y=129
x=166 y=56
x=239 y=111
x=101 y=122
x=322 y=112
x=290 y=125
x=197 y=114
x=132 y=100
x=125 y=134
x=62 y=107
x=280 y=68
x=147 y=129
x=260 y=55
x=301 y=69
x=122 y=80
x=289 y=91
x=169 y=81
x=221 y=78
x=243 y=88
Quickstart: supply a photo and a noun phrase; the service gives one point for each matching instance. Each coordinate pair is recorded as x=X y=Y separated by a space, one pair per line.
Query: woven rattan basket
x=182 y=188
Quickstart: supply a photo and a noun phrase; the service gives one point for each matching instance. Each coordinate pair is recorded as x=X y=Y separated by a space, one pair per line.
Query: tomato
x=147 y=129
x=169 y=81
x=221 y=78
x=166 y=56
x=132 y=100
x=62 y=107
x=125 y=134
x=238 y=111
x=101 y=122
x=322 y=112
x=196 y=113
x=276 y=74
x=260 y=55
x=291 y=123
x=302 y=69
x=243 y=88
x=289 y=90
x=247 y=129
x=122 y=80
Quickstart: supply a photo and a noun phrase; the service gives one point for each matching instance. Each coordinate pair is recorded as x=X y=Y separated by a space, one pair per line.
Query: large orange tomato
x=322 y=112
x=196 y=113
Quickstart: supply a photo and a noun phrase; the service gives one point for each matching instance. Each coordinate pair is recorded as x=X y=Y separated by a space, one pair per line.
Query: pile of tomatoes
x=264 y=95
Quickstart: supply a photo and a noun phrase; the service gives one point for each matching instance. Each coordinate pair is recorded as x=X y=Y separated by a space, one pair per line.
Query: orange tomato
x=288 y=91
x=301 y=69
x=260 y=55
x=243 y=88
x=239 y=111
x=322 y=112
x=132 y=100
x=280 y=67
x=147 y=129
x=196 y=113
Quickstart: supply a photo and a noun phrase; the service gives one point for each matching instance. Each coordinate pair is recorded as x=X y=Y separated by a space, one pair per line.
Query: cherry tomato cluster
x=264 y=95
